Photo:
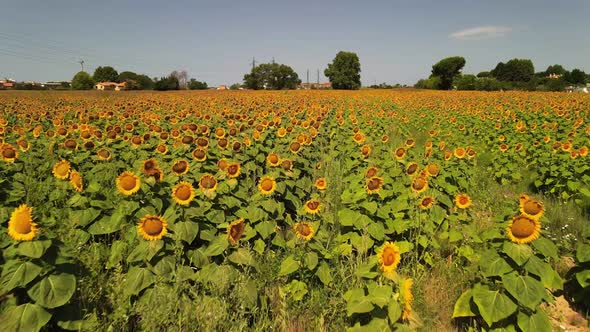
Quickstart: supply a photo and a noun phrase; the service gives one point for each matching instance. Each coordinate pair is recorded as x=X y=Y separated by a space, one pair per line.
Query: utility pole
x=81 y=62
x=253 y=63
x=273 y=60
x=308 y=78
x=318 y=77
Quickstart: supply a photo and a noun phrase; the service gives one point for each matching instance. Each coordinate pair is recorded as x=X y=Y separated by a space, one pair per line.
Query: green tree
x=484 y=74
x=555 y=70
x=432 y=83
x=577 y=76
x=272 y=76
x=235 y=86
x=193 y=84
x=465 y=82
x=105 y=74
x=515 y=70
x=82 y=81
x=345 y=71
x=446 y=69
x=167 y=83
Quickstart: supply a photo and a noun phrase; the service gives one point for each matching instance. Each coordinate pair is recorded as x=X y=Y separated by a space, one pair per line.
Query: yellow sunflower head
x=399 y=153
x=419 y=184
x=295 y=147
x=149 y=166
x=532 y=208
x=389 y=257
x=61 y=169
x=321 y=184
x=128 y=183
x=304 y=230
x=21 y=226
x=433 y=169
x=523 y=229
x=183 y=193
x=374 y=184
x=371 y=172
x=427 y=202
x=273 y=160
x=312 y=206
x=460 y=152
x=412 y=169
x=267 y=185
x=222 y=164
x=462 y=201
x=407 y=297
x=233 y=170
x=235 y=230
x=180 y=167
x=152 y=227
x=207 y=183
x=103 y=154
x=199 y=154
x=76 y=181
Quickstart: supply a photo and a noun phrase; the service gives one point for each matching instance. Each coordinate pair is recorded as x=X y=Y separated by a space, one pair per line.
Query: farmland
x=300 y=210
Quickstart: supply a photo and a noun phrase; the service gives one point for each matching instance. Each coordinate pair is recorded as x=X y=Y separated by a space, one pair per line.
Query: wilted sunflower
x=76 y=181
x=235 y=230
x=389 y=257
x=287 y=165
x=523 y=229
x=303 y=230
x=23 y=145
x=374 y=184
x=149 y=166
x=152 y=227
x=128 y=183
x=426 y=202
x=267 y=185
x=273 y=160
x=321 y=184
x=433 y=169
x=233 y=170
x=407 y=297
x=207 y=183
x=312 y=206
x=183 y=193
x=180 y=167
x=199 y=154
x=202 y=142
x=295 y=147
x=419 y=184
x=222 y=164
x=412 y=169
x=61 y=169
x=400 y=153
x=532 y=208
x=462 y=201
x=21 y=226
x=460 y=152
x=410 y=142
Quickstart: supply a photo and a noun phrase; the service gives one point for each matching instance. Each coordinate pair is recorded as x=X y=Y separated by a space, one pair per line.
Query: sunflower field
x=293 y=211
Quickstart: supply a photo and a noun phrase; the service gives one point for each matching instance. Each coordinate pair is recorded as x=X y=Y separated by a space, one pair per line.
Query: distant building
x=308 y=86
x=554 y=76
x=110 y=86
x=7 y=83
x=222 y=87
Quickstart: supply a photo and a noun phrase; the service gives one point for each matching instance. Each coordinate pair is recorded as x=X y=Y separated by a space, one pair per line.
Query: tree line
x=515 y=74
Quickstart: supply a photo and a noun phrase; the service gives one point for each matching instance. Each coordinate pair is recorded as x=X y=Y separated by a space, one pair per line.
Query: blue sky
x=397 y=41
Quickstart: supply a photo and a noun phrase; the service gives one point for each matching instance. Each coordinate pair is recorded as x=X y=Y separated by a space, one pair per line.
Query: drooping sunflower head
x=410 y=142
x=149 y=166
x=180 y=167
x=61 y=169
x=287 y=165
x=222 y=164
x=235 y=230
x=233 y=170
x=183 y=193
x=128 y=183
x=412 y=169
x=400 y=153
x=273 y=160
x=462 y=201
x=162 y=148
x=532 y=208
x=202 y=142
x=374 y=184
x=9 y=153
x=152 y=227
x=312 y=206
x=426 y=202
x=523 y=229
x=389 y=257
x=303 y=230
x=267 y=185
x=21 y=226
x=321 y=184
x=407 y=297
x=419 y=184
x=207 y=183
x=76 y=181
x=365 y=151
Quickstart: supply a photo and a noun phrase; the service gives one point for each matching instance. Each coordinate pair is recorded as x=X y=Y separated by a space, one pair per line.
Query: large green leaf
x=34 y=249
x=549 y=277
x=17 y=274
x=537 y=322
x=54 y=290
x=186 y=231
x=311 y=260
x=288 y=266
x=583 y=253
x=492 y=305
x=492 y=264
x=138 y=279
x=394 y=310
x=527 y=290
x=217 y=246
x=546 y=247
x=107 y=224
x=359 y=305
x=27 y=317
x=519 y=253
x=464 y=307
x=242 y=256
x=379 y=294
x=323 y=272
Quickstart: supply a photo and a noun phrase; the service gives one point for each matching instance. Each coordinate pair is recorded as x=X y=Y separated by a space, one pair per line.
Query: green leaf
x=165 y=266
x=265 y=228
x=527 y=290
x=376 y=230
x=464 y=307
x=323 y=272
x=27 y=317
x=217 y=246
x=118 y=248
x=583 y=253
x=311 y=260
x=54 y=290
x=348 y=217
x=186 y=231
x=394 y=311
x=138 y=279
x=242 y=256
x=583 y=277
x=359 y=305
x=106 y=224
x=33 y=249
x=492 y=305
x=537 y=322
x=546 y=247
x=549 y=277
x=404 y=246
x=366 y=270
x=297 y=289
x=17 y=274
x=519 y=253
x=371 y=207
x=84 y=217
x=492 y=264
x=379 y=294
x=288 y=266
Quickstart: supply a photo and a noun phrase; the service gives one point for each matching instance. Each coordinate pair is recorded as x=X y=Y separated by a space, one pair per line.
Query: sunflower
x=412 y=169
x=523 y=229
x=23 y=145
x=162 y=148
x=532 y=208
x=365 y=151
x=220 y=132
x=374 y=184
x=371 y=172
x=267 y=185
x=149 y=166
x=448 y=154
x=384 y=139
x=312 y=206
x=287 y=165
x=233 y=170
x=157 y=174
x=273 y=160
x=235 y=230
x=183 y=193
x=128 y=183
x=419 y=184
x=76 y=181
x=222 y=164
x=295 y=146
x=9 y=153
x=389 y=257
x=207 y=183
x=180 y=167
x=321 y=184
x=202 y=142
x=462 y=201
x=359 y=138
x=61 y=169
x=21 y=226
x=460 y=152
x=303 y=230
x=410 y=143
x=426 y=202
x=407 y=297
x=281 y=132
x=432 y=169
x=152 y=227
x=199 y=154
x=583 y=151
x=400 y=153
x=503 y=147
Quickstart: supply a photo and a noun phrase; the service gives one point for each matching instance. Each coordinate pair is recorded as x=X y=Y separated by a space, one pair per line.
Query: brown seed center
x=153 y=226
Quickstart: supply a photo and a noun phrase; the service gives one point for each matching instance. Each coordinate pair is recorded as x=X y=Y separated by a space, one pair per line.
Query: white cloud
x=482 y=32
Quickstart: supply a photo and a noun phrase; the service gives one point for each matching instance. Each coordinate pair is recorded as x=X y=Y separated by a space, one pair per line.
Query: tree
x=197 y=85
x=577 y=76
x=488 y=84
x=555 y=70
x=105 y=74
x=345 y=71
x=447 y=69
x=182 y=77
x=167 y=83
x=142 y=82
x=235 y=86
x=515 y=70
x=465 y=82
x=484 y=74
x=272 y=76
x=432 y=83
x=82 y=81
x=145 y=82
